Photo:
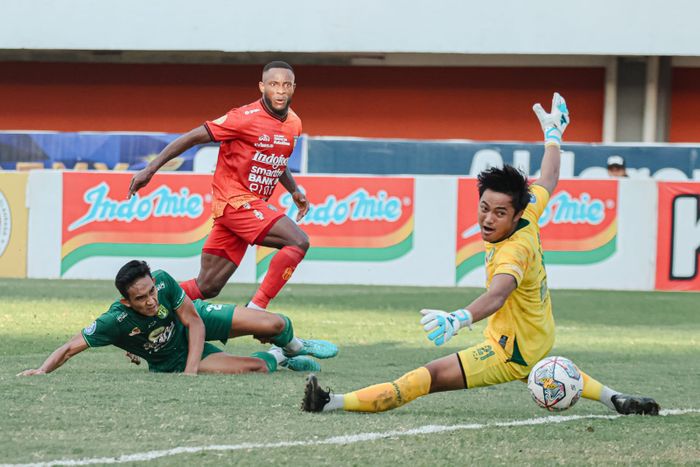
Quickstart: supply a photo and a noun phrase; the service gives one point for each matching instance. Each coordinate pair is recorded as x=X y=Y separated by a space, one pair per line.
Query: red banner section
x=678 y=247
x=579 y=225
x=171 y=217
x=352 y=219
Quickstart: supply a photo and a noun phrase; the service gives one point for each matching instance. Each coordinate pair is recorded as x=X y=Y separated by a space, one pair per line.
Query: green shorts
x=178 y=362
x=217 y=320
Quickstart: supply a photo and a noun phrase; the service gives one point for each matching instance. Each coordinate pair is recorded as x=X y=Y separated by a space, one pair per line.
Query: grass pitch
x=100 y=406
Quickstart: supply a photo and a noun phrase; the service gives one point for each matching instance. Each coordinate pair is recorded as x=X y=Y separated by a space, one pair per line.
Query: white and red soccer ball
x=555 y=383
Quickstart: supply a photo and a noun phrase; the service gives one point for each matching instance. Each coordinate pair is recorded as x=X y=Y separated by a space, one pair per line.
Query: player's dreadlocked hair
x=507 y=180
x=278 y=64
x=130 y=273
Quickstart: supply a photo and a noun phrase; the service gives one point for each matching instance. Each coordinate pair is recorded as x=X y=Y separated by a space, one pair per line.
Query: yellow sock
x=387 y=396
x=592 y=388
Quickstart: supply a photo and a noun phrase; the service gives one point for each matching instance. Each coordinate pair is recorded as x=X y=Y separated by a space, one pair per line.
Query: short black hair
x=278 y=64
x=130 y=273
x=507 y=180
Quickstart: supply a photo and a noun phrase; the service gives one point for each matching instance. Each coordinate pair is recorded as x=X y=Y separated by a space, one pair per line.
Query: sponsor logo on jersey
x=162 y=311
x=162 y=202
x=489 y=255
x=258 y=214
x=121 y=317
x=251 y=111
x=264 y=138
x=264 y=145
x=281 y=140
x=159 y=337
x=90 y=330
x=270 y=159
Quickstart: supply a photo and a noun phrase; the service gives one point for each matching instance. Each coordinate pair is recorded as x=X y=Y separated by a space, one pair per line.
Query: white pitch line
x=343 y=439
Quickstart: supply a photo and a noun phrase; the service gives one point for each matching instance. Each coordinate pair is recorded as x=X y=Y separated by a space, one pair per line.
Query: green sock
x=269 y=359
x=283 y=338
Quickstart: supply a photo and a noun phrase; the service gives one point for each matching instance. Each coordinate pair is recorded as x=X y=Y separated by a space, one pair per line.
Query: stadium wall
x=483 y=103
x=369 y=230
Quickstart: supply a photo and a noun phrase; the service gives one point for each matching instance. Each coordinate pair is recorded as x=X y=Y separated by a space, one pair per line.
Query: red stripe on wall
x=392 y=102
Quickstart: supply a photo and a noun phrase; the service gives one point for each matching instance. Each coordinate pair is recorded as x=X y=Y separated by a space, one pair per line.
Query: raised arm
x=553 y=125
x=442 y=325
x=59 y=356
x=299 y=198
x=190 y=318
x=198 y=135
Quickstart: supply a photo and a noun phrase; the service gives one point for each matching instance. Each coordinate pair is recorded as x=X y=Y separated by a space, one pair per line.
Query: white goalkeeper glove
x=441 y=325
x=554 y=123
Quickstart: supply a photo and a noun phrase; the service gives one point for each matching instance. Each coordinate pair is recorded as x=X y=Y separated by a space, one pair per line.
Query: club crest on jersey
x=162 y=311
x=90 y=330
x=135 y=332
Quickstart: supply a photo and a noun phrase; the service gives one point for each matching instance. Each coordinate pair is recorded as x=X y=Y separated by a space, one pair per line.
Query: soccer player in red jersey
x=256 y=142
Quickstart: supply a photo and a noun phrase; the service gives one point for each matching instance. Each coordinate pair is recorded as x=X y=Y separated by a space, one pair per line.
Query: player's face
x=277 y=88
x=143 y=297
x=616 y=171
x=497 y=216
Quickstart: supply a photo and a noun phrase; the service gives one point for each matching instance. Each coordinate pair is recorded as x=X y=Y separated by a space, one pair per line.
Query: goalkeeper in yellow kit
x=520 y=330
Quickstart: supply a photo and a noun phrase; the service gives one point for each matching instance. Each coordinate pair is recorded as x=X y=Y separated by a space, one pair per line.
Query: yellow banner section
x=13 y=224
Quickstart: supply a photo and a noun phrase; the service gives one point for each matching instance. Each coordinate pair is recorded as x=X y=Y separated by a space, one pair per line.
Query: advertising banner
x=678 y=245
x=578 y=227
x=13 y=225
x=367 y=219
x=170 y=218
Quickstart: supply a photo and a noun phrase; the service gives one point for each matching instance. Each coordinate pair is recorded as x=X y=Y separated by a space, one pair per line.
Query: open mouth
x=487 y=230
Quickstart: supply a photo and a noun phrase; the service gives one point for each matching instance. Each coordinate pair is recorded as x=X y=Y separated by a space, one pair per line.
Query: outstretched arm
x=441 y=325
x=198 y=135
x=299 y=198
x=553 y=125
x=59 y=356
x=190 y=318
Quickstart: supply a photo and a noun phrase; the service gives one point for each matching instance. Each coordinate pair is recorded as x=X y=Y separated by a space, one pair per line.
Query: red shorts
x=237 y=228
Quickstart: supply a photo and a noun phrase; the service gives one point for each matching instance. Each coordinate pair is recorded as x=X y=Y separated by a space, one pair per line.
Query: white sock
x=335 y=403
x=606 y=397
x=254 y=306
x=294 y=346
x=278 y=354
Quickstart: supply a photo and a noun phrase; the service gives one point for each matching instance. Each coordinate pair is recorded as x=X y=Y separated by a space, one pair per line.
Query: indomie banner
x=678 y=245
x=13 y=225
x=579 y=225
x=171 y=217
x=351 y=218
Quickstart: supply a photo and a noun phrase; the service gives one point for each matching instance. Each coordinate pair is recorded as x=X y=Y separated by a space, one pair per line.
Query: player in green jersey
x=155 y=320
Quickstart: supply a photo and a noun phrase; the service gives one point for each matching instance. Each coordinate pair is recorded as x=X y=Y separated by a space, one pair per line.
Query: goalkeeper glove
x=442 y=325
x=554 y=123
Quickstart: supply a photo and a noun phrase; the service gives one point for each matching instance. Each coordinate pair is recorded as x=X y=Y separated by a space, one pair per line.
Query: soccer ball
x=555 y=383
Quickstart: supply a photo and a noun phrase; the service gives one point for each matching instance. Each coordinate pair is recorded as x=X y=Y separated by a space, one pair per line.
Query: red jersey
x=255 y=147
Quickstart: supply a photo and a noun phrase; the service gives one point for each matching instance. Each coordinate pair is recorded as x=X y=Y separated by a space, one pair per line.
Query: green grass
x=98 y=405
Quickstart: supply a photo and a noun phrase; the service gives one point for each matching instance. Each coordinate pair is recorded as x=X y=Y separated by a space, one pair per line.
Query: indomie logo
x=563 y=208
x=357 y=206
x=270 y=159
x=162 y=202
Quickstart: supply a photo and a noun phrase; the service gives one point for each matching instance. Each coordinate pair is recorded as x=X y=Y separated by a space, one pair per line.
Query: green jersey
x=161 y=340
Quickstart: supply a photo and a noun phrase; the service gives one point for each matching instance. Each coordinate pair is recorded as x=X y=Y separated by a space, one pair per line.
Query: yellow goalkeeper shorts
x=485 y=364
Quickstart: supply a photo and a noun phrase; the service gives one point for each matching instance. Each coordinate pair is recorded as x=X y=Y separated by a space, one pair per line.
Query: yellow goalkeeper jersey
x=523 y=327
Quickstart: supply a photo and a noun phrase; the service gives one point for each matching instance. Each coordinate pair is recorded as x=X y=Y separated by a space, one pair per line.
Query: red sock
x=281 y=268
x=192 y=289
